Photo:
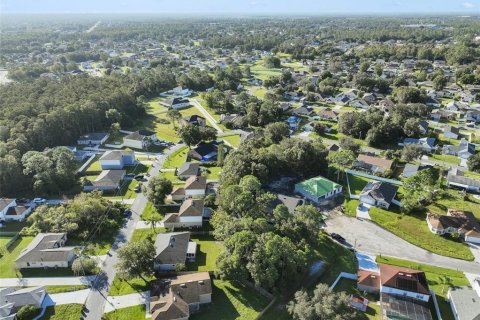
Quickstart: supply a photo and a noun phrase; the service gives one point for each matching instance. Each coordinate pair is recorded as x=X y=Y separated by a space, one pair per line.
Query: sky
x=244 y=7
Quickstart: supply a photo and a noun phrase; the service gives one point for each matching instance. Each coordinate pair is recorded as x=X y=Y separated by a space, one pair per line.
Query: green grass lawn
x=63 y=312
x=351 y=207
x=231 y=301
x=4 y=240
x=357 y=183
x=234 y=140
x=453 y=200
x=446 y=158
x=60 y=289
x=177 y=158
x=7 y=261
x=207 y=252
x=127 y=191
x=214 y=172
x=130 y=313
x=350 y=287
x=170 y=175
x=413 y=228
x=94 y=165
x=120 y=286
x=150 y=211
x=439 y=279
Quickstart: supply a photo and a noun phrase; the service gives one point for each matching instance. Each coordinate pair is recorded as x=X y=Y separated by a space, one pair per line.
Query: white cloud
x=468 y=5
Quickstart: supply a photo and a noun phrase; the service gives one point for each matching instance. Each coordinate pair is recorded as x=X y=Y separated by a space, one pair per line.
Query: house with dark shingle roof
x=463 y=223
x=188 y=169
x=318 y=189
x=379 y=194
x=189 y=215
x=173 y=248
x=108 y=181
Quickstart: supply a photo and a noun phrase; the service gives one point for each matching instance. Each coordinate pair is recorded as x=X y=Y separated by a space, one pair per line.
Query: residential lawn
x=351 y=207
x=413 y=228
x=207 y=252
x=63 y=312
x=357 y=183
x=350 y=287
x=130 y=313
x=138 y=169
x=14 y=226
x=94 y=165
x=127 y=191
x=212 y=112
x=142 y=234
x=120 y=287
x=231 y=301
x=259 y=92
x=7 y=261
x=170 y=175
x=234 y=140
x=214 y=172
x=439 y=279
x=4 y=240
x=452 y=199
x=60 y=289
x=176 y=159
x=150 y=211
x=446 y=158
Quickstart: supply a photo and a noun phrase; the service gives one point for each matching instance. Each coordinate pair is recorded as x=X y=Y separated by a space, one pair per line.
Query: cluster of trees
x=269 y=248
x=87 y=215
x=420 y=189
x=193 y=134
x=379 y=129
x=266 y=161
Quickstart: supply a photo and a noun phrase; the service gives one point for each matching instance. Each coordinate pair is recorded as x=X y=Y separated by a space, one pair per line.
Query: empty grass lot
x=234 y=140
x=176 y=159
x=413 y=228
x=231 y=301
x=452 y=199
x=207 y=252
x=130 y=313
x=439 y=279
x=446 y=158
x=63 y=312
x=357 y=183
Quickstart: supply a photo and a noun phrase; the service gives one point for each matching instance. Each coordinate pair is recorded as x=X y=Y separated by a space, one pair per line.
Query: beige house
x=189 y=215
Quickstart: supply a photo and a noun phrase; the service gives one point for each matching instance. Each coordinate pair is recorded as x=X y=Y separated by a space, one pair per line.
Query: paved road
x=46 y=281
x=206 y=114
x=371 y=239
x=98 y=295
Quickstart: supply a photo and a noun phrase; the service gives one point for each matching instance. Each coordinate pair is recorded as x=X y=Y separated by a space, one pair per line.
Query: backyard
x=207 y=252
x=357 y=183
x=350 y=287
x=453 y=199
x=439 y=279
x=234 y=140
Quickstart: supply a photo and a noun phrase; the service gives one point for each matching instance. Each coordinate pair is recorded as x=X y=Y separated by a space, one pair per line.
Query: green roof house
x=318 y=189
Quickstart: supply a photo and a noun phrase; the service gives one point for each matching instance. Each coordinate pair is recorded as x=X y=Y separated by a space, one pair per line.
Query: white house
x=94 y=138
x=379 y=194
x=47 y=250
x=318 y=189
x=139 y=139
x=117 y=159
x=189 y=215
x=195 y=187
x=463 y=223
x=10 y=210
x=108 y=181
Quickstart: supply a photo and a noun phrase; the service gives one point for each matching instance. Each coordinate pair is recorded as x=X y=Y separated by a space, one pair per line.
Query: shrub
x=26 y=312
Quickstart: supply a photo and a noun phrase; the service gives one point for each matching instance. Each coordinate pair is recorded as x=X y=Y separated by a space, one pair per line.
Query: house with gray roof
x=12 y=299
x=108 y=181
x=173 y=248
x=456 y=179
x=139 y=139
x=379 y=194
x=117 y=159
x=465 y=302
x=94 y=138
x=188 y=169
x=47 y=250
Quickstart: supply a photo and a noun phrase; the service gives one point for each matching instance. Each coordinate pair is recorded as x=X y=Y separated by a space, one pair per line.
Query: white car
x=39 y=200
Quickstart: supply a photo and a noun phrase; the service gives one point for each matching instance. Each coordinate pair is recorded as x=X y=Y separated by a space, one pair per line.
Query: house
x=204 y=151
x=47 y=250
x=463 y=223
x=328 y=114
x=427 y=144
x=456 y=179
x=404 y=293
x=292 y=96
x=293 y=122
x=423 y=126
x=95 y=138
x=173 y=248
x=189 y=215
x=179 y=297
x=108 y=181
x=412 y=169
x=177 y=92
x=188 y=169
x=117 y=159
x=303 y=111
x=195 y=187
x=195 y=120
x=11 y=210
x=358 y=103
x=464 y=150
x=12 y=299
x=451 y=132
x=140 y=139
x=379 y=194
x=465 y=301
x=176 y=103
x=318 y=189
x=373 y=164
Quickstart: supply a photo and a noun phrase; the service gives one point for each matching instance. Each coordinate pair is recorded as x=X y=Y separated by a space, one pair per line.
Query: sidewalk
x=128 y=300
x=47 y=281
x=79 y=296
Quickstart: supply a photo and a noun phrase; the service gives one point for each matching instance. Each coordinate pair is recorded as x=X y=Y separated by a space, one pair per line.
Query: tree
x=220 y=154
x=341 y=160
x=319 y=128
x=411 y=128
x=174 y=116
x=347 y=143
x=439 y=82
x=26 y=312
x=192 y=134
x=323 y=304
x=419 y=190
x=276 y=131
x=408 y=95
x=271 y=62
x=84 y=266
x=157 y=190
x=113 y=115
x=364 y=66
x=474 y=162
x=136 y=258
x=411 y=152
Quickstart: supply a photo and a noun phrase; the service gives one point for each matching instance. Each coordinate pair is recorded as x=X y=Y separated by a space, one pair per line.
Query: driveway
x=371 y=239
x=128 y=300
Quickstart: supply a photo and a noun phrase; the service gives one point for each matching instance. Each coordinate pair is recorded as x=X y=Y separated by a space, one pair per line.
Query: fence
x=86 y=164
x=370 y=176
x=345 y=275
x=14 y=236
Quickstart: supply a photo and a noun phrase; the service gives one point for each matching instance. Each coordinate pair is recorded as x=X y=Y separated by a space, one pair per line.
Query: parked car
x=127 y=213
x=138 y=188
x=139 y=177
x=39 y=201
x=338 y=237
